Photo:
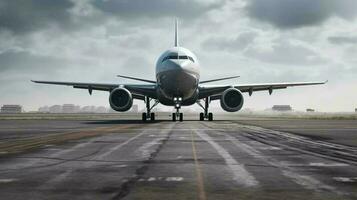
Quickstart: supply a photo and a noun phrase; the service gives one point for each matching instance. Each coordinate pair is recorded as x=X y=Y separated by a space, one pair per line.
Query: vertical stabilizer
x=176 y=33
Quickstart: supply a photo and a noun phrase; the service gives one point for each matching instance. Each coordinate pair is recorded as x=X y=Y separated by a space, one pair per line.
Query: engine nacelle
x=232 y=100
x=120 y=99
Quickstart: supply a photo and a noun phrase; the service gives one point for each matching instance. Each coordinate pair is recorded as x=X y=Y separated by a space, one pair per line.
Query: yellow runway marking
x=200 y=183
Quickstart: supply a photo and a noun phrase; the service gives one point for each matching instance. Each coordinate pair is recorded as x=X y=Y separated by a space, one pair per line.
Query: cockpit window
x=182 y=57
x=178 y=57
x=171 y=56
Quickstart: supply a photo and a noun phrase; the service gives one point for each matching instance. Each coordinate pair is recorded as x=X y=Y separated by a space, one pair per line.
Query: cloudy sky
x=261 y=40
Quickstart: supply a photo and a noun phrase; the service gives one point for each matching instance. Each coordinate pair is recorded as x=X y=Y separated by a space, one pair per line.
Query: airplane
x=178 y=84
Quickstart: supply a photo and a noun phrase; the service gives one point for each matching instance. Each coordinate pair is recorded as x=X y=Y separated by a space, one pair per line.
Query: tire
x=143 y=117
x=152 y=116
x=173 y=117
x=210 y=117
x=201 y=117
x=181 y=117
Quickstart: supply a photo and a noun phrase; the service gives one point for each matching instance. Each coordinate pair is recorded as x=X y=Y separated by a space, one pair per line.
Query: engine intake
x=232 y=100
x=120 y=99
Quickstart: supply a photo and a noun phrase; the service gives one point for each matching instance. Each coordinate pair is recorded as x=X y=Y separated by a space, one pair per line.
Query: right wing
x=215 y=91
x=219 y=79
x=139 y=91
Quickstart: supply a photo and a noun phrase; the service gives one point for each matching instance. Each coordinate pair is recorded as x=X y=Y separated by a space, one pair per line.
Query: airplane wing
x=139 y=91
x=215 y=91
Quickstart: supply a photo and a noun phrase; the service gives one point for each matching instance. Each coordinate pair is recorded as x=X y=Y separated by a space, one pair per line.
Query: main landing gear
x=177 y=115
x=149 y=115
x=205 y=114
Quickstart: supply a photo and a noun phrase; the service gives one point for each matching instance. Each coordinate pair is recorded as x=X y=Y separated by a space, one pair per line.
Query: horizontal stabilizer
x=138 y=79
x=219 y=79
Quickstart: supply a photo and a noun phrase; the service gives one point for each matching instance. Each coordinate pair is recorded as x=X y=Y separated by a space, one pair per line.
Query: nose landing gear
x=177 y=101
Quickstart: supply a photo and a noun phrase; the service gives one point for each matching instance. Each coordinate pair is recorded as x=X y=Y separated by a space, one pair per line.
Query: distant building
x=282 y=108
x=101 y=109
x=69 y=108
x=355 y=109
x=44 y=109
x=55 y=109
x=11 y=109
x=88 y=109
x=310 y=110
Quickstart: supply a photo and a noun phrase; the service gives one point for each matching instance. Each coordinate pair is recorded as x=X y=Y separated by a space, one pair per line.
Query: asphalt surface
x=172 y=160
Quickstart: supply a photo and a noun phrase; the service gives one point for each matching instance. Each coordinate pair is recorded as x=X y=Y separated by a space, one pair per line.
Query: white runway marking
x=329 y=164
x=60 y=177
x=346 y=179
x=178 y=129
x=175 y=179
x=145 y=149
x=151 y=179
x=111 y=150
x=303 y=180
x=168 y=179
x=7 y=180
x=241 y=175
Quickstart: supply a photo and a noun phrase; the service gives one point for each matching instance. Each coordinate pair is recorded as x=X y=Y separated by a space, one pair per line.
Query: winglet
x=176 y=33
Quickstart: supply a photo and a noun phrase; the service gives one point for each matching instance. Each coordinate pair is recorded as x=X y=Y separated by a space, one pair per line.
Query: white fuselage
x=177 y=75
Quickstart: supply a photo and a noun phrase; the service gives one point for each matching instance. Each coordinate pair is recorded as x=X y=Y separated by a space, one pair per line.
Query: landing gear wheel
x=143 y=117
x=210 y=117
x=173 y=117
x=181 y=117
x=201 y=117
x=152 y=116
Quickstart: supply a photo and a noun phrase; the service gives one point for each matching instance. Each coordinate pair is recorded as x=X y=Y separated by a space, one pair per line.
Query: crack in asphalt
x=127 y=186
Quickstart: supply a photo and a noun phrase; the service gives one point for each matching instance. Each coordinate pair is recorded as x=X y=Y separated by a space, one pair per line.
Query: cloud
x=129 y=9
x=286 y=53
x=230 y=44
x=21 y=17
x=290 y=14
x=341 y=40
x=27 y=62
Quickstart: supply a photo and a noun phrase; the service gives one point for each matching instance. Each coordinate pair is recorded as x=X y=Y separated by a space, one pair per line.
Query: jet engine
x=232 y=100
x=120 y=99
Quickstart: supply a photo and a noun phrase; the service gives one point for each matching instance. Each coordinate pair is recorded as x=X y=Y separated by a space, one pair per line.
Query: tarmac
x=128 y=159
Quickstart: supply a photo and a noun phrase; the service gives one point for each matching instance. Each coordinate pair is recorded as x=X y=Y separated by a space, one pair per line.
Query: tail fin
x=176 y=33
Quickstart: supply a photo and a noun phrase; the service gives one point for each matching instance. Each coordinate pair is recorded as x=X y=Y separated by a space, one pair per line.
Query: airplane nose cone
x=178 y=64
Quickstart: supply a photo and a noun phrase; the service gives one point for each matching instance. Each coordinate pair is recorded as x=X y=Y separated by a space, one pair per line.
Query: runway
x=243 y=159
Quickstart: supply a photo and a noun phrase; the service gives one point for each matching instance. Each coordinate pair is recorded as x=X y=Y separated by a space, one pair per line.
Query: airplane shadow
x=134 y=121
x=121 y=122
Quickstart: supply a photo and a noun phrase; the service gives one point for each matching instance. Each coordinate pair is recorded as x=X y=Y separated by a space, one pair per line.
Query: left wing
x=215 y=91
x=138 y=91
